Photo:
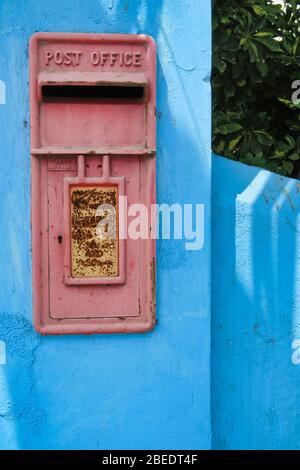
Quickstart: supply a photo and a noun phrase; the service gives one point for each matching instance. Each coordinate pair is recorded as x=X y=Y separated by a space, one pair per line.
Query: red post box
x=93 y=147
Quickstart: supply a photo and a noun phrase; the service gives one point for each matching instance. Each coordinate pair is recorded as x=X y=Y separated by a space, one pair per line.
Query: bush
x=256 y=59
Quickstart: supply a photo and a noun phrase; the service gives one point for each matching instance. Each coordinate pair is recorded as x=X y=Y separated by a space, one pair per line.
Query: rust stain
x=153 y=289
x=93 y=256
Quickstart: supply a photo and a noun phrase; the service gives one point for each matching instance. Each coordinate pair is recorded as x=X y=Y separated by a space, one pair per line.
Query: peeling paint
x=92 y=256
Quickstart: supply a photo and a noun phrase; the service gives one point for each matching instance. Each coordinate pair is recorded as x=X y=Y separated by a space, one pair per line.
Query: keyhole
x=59 y=238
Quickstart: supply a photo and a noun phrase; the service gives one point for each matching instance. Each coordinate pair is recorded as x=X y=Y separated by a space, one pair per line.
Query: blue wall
x=255 y=308
x=153 y=390
x=139 y=391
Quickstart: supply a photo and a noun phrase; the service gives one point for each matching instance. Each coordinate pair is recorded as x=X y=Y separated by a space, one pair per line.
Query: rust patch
x=92 y=255
x=153 y=291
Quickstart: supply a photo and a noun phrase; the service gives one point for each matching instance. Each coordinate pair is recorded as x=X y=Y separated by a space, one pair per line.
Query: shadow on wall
x=19 y=402
x=101 y=392
x=256 y=308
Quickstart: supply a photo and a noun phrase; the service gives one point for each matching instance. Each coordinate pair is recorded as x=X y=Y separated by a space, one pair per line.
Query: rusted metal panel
x=94 y=252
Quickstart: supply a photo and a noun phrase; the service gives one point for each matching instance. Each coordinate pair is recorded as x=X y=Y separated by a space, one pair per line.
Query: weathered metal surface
x=94 y=254
x=114 y=151
x=86 y=151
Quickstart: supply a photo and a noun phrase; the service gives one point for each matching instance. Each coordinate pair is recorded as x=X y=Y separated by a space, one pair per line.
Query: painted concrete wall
x=255 y=308
x=139 y=391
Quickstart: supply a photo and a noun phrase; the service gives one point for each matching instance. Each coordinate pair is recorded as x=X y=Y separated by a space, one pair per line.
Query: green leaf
x=237 y=71
x=241 y=82
x=229 y=88
x=226 y=129
x=252 y=52
x=262 y=34
x=258 y=10
x=264 y=138
x=219 y=64
x=288 y=167
x=290 y=140
x=270 y=44
x=234 y=142
x=220 y=147
x=262 y=67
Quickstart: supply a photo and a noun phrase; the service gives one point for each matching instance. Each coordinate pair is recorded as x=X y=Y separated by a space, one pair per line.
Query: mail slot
x=93 y=149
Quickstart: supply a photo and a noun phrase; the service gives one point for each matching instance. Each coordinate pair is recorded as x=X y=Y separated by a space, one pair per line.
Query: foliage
x=256 y=58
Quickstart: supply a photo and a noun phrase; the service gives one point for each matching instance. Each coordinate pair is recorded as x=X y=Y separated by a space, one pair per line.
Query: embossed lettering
x=58 y=57
x=63 y=58
x=104 y=57
x=137 y=59
x=127 y=59
x=77 y=55
x=68 y=58
x=113 y=58
x=49 y=56
x=95 y=59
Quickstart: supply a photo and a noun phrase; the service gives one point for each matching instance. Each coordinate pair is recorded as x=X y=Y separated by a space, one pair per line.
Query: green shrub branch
x=256 y=59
